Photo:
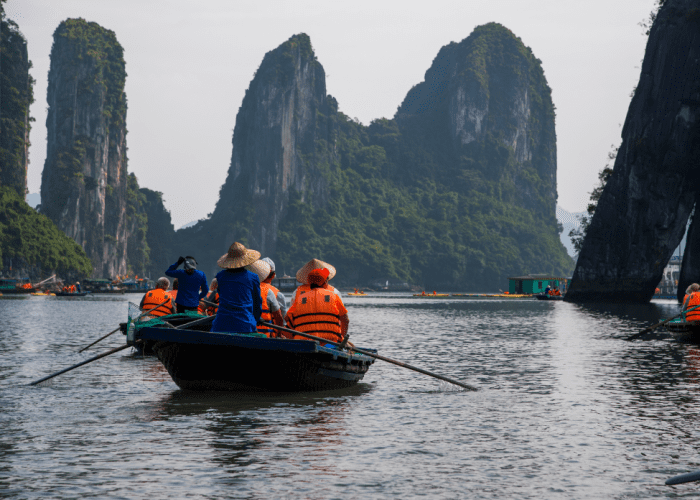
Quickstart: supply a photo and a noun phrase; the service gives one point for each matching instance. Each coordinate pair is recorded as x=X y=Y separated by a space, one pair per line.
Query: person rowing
x=271 y=309
x=691 y=300
x=205 y=307
x=318 y=311
x=192 y=284
x=240 y=301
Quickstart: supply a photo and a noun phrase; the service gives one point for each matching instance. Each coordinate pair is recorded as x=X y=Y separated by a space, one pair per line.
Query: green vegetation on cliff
x=30 y=240
x=150 y=232
x=16 y=95
x=386 y=219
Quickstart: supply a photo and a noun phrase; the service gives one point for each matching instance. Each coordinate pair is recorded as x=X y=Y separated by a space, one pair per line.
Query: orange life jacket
x=208 y=310
x=155 y=297
x=211 y=310
x=306 y=288
x=693 y=301
x=316 y=312
x=266 y=314
x=172 y=294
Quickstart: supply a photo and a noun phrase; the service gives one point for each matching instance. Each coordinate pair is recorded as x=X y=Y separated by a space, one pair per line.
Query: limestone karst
x=643 y=211
x=84 y=181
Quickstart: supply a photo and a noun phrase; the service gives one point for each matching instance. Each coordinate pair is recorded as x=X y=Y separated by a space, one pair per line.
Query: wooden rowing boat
x=688 y=331
x=251 y=362
x=352 y=294
x=71 y=294
x=431 y=295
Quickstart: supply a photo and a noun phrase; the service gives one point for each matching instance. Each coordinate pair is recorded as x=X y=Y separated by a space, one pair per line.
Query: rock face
x=274 y=151
x=84 y=181
x=489 y=89
x=16 y=95
x=642 y=214
x=457 y=192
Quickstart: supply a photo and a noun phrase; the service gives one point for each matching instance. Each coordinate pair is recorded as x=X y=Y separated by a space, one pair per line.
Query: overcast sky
x=189 y=64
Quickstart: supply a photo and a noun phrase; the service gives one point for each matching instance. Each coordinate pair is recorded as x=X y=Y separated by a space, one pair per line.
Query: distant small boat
x=431 y=295
x=71 y=294
x=251 y=363
x=358 y=294
x=43 y=294
x=543 y=296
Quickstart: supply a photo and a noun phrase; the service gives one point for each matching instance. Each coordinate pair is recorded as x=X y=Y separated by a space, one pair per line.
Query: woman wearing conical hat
x=239 y=292
x=303 y=278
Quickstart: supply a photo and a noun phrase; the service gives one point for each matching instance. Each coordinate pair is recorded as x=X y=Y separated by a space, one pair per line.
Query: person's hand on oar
x=118 y=328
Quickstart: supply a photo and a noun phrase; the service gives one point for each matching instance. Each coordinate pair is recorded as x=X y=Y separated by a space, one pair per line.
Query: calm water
x=567 y=409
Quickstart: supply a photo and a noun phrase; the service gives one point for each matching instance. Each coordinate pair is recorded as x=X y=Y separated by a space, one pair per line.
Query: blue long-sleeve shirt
x=191 y=287
x=240 y=303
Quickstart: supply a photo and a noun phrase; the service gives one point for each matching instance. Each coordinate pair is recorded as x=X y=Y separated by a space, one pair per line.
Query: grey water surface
x=566 y=409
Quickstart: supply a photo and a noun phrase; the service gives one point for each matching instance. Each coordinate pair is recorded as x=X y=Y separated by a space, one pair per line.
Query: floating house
x=536 y=283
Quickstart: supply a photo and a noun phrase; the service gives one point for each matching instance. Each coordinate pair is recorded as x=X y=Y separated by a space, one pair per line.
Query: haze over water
x=566 y=409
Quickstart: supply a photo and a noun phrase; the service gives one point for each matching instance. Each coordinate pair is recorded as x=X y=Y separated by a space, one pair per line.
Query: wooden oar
x=684 y=478
x=116 y=349
x=118 y=328
x=653 y=327
x=112 y=351
x=373 y=355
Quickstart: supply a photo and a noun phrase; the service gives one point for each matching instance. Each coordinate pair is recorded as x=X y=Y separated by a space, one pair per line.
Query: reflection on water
x=566 y=408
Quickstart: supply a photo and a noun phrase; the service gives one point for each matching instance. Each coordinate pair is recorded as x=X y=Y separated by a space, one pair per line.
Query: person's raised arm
x=173 y=271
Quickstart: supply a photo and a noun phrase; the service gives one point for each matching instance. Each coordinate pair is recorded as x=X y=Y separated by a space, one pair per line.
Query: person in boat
x=173 y=293
x=194 y=284
x=303 y=276
x=271 y=309
x=318 y=311
x=281 y=298
x=205 y=308
x=692 y=300
x=77 y=286
x=156 y=296
x=240 y=302
x=547 y=290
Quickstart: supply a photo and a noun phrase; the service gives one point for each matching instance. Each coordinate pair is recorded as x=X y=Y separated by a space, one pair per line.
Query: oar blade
x=684 y=478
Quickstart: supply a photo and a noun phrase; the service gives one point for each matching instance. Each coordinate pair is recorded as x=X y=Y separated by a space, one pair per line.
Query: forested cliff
x=30 y=244
x=84 y=181
x=16 y=95
x=458 y=190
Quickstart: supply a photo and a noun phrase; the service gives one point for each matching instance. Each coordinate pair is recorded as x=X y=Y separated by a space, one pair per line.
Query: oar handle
x=371 y=354
x=116 y=330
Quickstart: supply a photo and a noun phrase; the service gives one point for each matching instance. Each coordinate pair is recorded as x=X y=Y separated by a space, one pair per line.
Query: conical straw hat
x=238 y=256
x=303 y=273
x=261 y=268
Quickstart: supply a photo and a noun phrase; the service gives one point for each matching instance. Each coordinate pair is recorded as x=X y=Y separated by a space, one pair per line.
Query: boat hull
x=687 y=331
x=203 y=361
x=71 y=294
